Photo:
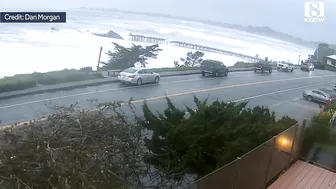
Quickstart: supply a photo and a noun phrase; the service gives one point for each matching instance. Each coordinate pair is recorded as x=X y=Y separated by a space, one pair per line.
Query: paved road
x=280 y=91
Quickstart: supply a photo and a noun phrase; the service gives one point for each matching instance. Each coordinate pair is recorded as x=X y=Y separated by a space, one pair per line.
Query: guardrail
x=260 y=167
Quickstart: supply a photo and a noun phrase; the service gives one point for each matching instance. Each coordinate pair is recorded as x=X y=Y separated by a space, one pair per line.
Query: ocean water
x=26 y=48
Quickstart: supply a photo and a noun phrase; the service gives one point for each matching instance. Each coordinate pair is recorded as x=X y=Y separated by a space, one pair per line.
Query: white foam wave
x=44 y=50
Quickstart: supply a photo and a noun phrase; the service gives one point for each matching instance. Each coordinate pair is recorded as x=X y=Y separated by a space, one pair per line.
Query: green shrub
x=243 y=65
x=211 y=137
x=86 y=69
x=17 y=82
x=321 y=126
x=64 y=76
x=24 y=81
x=319 y=130
x=330 y=105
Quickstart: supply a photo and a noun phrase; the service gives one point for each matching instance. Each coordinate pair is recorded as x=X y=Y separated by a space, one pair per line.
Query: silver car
x=283 y=66
x=319 y=95
x=138 y=76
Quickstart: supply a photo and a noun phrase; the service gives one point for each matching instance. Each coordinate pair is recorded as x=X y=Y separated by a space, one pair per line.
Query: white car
x=285 y=67
x=138 y=76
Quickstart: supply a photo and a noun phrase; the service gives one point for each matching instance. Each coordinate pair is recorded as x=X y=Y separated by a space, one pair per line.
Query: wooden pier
x=214 y=50
x=155 y=40
x=146 y=39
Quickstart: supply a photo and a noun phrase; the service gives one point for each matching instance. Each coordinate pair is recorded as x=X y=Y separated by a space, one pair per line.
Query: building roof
x=332 y=57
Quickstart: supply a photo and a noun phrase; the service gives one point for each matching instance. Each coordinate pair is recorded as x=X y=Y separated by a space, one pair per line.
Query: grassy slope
x=24 y=81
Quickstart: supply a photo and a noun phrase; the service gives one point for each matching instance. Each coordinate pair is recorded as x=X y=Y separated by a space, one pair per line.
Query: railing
x=320 y=143
x=214 y=50
x=155 y=40
x=259 y=167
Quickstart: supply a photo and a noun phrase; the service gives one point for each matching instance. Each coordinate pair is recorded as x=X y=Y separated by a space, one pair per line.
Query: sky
x=285 y=15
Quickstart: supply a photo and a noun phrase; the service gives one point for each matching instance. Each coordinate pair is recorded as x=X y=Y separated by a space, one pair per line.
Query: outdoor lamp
x=283 y=143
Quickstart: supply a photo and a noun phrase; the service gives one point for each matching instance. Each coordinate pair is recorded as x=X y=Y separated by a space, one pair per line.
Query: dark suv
x=214 y=68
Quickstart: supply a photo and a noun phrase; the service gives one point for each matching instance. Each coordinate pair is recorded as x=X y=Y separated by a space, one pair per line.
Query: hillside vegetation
x=105 y=149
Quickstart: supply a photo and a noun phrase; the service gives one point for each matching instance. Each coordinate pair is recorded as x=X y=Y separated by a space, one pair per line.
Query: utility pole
x=101 y=49
x=299 y=59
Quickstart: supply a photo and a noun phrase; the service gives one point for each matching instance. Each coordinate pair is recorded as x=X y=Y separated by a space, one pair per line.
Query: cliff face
x=110 y=34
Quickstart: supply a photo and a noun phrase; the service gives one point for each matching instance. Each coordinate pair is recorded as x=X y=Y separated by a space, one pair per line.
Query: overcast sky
x=282 y=15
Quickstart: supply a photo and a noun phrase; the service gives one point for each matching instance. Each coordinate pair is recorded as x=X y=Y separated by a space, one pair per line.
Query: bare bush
x=78 y=149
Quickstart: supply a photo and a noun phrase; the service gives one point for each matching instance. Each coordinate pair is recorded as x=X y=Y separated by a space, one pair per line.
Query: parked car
x=214 y=68
x=319 y=95
x=138 y=76
x=285 y=67
x=263 y=66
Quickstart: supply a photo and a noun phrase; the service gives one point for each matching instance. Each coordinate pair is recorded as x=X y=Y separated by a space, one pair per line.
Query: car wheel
x=139 y=82
x=278 y=69
x=157 y=79
x=270 y=71
x=255 y=70
x=226 y=73
x=203 y=73
x=292 y=69
x=309 y=98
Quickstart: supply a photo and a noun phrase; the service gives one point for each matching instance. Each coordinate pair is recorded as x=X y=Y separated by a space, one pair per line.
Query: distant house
x=330 y=62
x=323 y=51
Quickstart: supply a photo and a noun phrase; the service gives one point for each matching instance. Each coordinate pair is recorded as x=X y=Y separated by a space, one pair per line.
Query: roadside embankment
x=37 y=83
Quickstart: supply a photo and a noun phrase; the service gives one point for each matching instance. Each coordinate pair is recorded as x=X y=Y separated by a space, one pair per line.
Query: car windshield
x=130 y=70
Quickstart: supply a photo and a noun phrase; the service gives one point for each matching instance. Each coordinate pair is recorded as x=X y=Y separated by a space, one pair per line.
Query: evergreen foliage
x=319 y=131
x=123 y=57
x=211 y=137
x=104 y=149
x=191 y=60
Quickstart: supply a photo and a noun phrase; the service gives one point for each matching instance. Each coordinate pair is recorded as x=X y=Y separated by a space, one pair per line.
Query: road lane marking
x=296 y=99
x=282 y=91
x=245 y=98
x=276 y=104
x=125 y=88
x=162 y=97
x=117 y=89
x=231 y=86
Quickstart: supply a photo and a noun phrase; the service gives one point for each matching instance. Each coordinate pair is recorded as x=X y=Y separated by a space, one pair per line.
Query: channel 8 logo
x=314 y=11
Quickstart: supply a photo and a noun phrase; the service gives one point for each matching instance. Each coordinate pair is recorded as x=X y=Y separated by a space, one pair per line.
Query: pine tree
x=215 y=134
x=192 y=59
x=122 y=57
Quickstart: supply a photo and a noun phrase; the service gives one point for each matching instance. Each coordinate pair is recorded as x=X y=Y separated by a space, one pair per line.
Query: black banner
x=33 y=17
